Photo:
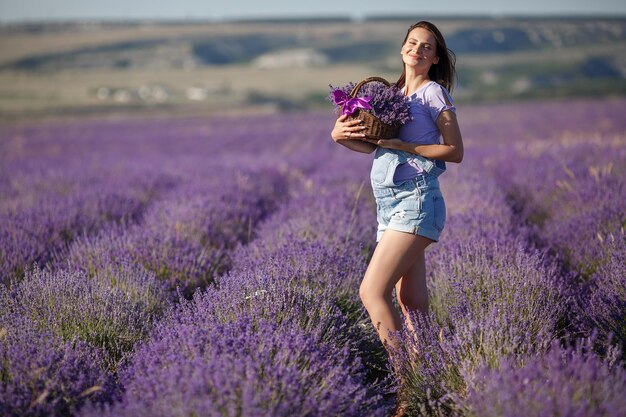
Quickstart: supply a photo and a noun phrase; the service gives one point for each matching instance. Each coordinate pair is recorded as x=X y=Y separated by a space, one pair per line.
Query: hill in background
x=183 y=67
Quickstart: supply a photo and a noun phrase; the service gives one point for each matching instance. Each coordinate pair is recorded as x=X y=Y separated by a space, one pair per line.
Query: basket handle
x=356 y=88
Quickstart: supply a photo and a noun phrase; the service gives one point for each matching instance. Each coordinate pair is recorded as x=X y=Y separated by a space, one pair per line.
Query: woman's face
x=420 y=49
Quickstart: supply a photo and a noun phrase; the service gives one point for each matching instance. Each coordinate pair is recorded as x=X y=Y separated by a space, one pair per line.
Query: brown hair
x=443 y=72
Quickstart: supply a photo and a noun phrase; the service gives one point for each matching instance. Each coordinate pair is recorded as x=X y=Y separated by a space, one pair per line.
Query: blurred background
x=71 y=59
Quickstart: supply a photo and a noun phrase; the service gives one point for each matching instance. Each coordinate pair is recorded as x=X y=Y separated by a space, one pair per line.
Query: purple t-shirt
x=427 y=103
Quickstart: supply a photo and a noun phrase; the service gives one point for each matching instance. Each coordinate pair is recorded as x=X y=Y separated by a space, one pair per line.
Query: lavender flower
x=388 y=103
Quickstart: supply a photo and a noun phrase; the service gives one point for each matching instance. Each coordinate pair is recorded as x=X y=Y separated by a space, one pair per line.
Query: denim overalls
x=414 y=206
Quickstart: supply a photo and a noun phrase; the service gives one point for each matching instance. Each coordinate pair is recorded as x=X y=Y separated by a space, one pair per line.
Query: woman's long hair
x=443 y=72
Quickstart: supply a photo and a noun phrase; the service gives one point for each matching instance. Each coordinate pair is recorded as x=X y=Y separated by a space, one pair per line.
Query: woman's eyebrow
x=415 y=40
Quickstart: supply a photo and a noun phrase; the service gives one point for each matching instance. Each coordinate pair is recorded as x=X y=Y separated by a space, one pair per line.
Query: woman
x=410 y=207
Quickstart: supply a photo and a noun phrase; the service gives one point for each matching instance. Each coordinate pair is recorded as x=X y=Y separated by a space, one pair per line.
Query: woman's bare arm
x=358 y=145
x=349 y=135
x=451 y=150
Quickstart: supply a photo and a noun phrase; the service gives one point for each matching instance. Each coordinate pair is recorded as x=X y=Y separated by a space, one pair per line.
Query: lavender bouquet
x=386 y=102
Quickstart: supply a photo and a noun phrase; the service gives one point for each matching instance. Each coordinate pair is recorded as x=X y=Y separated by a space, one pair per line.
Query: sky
x=50 y=10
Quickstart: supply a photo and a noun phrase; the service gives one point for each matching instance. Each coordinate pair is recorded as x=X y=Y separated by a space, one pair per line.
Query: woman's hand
x=347 y=130
x=345 y=134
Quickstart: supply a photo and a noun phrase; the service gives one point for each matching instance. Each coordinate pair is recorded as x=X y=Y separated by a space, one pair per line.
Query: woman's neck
x=414 y=81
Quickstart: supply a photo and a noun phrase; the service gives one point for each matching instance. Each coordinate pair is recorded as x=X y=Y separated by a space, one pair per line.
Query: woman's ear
x=436 y=60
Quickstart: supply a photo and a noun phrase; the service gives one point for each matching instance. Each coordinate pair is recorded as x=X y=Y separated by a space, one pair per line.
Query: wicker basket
x=375 y=128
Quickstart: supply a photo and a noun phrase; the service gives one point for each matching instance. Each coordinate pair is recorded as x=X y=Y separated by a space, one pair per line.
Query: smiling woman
x=411 y=212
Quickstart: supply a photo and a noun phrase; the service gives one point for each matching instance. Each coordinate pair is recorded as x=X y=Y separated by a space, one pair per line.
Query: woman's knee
x=365 y=295
x=370 y=296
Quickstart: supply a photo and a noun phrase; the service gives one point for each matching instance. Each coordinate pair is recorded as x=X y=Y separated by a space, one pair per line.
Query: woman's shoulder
x=435 y=92
x=434 y=88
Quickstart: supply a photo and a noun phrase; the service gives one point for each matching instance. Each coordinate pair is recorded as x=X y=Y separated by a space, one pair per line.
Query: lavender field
x=210 y=267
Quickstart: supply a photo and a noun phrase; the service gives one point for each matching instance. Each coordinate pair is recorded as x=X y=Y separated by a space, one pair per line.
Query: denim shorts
x=415 y=206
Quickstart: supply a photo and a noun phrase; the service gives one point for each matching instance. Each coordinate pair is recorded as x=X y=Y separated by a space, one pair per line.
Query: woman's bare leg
x=411 y=290
x=395 y=256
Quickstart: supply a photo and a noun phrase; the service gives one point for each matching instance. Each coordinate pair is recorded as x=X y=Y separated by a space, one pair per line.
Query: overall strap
x=433 y=167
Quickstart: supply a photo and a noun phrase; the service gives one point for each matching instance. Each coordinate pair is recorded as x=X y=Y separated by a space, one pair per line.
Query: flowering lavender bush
x=36 y=226
x=570 y=381
x=387 y=102
x=491 y=298
x=603 y=304
x=318 y=218
x=110 y=312
x=40 y=375
x=572 y=177
x=185 y=239
x=574 y=204
x=427 y=367
x=245 y=367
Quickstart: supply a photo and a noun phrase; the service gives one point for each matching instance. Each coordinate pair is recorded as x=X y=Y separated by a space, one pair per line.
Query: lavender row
x=43 y=213
x=274 y=337
x=493 y=298
x=104 y=296
x=59 y=182
x=574 y=196
x=497 y=300
x=186 y=237
x=207 y=216
x=574 y=199
x=62 y=334
x=46 y=376
x=106 y=301
x=501 y=304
